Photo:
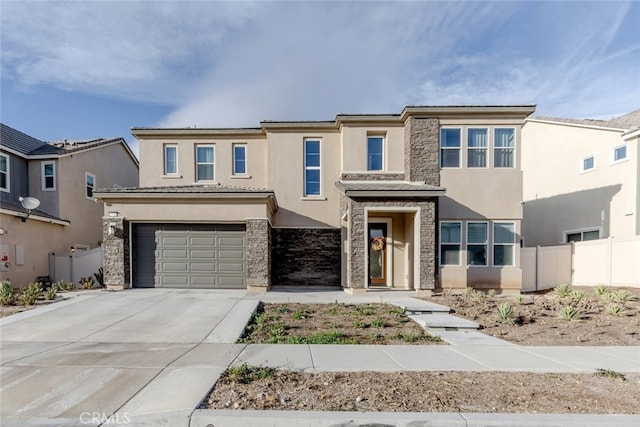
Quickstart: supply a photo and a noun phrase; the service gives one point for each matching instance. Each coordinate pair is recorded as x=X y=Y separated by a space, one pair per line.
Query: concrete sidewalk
x=149 y=357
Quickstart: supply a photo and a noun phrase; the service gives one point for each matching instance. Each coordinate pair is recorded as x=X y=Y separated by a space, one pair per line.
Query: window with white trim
x=504 y=244
x=450 y=242
x=89 y=184
x=4 y=173
x=477 y=241
x=239 y=159
x=450 y=139
x=170 y=159
x=619 y=153
x=375 y=153
x=582 y=235
x=48 y=175
x=588 y=163
x=312 y=167
x=477 y=142
x=205 y=162
x=504 y=147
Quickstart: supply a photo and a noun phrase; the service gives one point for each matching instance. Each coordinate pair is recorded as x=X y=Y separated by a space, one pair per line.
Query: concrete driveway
x=131 y=357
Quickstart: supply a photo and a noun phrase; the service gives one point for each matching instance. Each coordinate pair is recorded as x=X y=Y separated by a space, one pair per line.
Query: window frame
x=7 y=173
x=485 y=244
x=441 y=244
x=485 y=148
x=306 y=168
x=382 y=150
x=494 y=244
x=212 y=163
x=613 y=153
x=583 y=159
x=496 y=148
x=87 y=186
x=234 y=159
x=565 y=234
x=43 y=177
x=166 y=169
x=458 y=148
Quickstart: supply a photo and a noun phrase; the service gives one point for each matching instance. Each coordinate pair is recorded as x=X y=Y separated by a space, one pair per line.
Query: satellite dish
x=29 y=203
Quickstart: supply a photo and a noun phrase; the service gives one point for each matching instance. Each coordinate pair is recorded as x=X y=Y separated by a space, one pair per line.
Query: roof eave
x=390 y=194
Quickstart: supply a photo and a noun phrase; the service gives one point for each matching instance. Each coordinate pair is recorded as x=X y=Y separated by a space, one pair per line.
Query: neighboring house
x=428 y=198
x=581 y=179
x=62 y=176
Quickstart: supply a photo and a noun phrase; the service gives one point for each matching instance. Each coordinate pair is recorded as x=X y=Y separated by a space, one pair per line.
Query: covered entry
x=189 y=255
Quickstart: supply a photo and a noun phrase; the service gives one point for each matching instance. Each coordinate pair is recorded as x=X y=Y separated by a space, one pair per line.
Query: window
x=477 y=240
x=170 y=160
x=504 y=147
x=450 y=241
x=239 y=159
x=375 y=148
x=312 y=167
x=582 y=235
x=4 y=172
x=90 y=184
x=449 y=148
x=477 y=148
x=619 y=153
x=588 y=163
x=504 y=238
x=48 y=176
x=204 y=162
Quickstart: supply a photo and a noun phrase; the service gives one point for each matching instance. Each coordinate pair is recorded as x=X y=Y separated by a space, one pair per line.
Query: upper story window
x=582 y=235
x=504 y=243
x=588 y=163
x=619 y=153
x=311 y=167
x=48 y=176
x=205 y=162
x=375 y=150
x=450 y=242
x=450 y=139
x=477 y=141
x=504 y=147
x=239 y=159
x=477 y=240
x=4 y=172
x=89 y=184
x=170 y=160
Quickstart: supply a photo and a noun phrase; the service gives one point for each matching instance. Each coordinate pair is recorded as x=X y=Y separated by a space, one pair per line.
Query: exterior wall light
x=112 y=228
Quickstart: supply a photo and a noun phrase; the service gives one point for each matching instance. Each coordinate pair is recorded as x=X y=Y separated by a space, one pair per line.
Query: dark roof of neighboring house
x=12 y=205
x=18 y=141
x=627 y=121
x=185 y=189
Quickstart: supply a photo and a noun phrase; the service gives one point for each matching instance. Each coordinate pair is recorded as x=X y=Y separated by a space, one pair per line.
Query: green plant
x=50 y=294
x=504 y=313
x=577 y=295
x=478 y=296
x=491 y=293
x=623 y=296
x=99 y=277
x=378 y=323
x=359 y=324
x=87 y=282
x=30 y=294
x=375 y=336
x=563 y=290
x=614 y=309
x=245 y=374
x=608 y=373
x=333 y=310
x=364 y=309
x=282 y=309
x=277 y=330
x=468 y=292
x=608 y=297
x=301 y=314
x=567 y=312
x=7 y=294
x=519 y=300
x=602 y=289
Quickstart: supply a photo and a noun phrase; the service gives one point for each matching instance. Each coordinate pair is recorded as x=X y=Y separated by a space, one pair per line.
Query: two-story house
x=424 y=199
x=61 y=177
x=581 y=179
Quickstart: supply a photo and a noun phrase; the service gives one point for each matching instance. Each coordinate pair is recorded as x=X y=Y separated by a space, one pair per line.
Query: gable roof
x=629 y=121
x=18 y=141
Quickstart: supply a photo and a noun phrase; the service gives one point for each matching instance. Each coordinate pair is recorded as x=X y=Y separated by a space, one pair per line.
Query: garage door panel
x=232 y=267
x=203 y=281
x=174 y=254
x=231 y=242
x=170 y=281
x=201 y=254
x=229 y=254
x=174 y=240
x=207 y=241
x=200 y=267
x=231 y=281
x=175 y=266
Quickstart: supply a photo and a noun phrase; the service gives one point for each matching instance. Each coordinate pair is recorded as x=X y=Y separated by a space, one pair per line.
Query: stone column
x=422 y=150
x=258 y=254
x=428 y=245
x=114 y=248
x=357 y=249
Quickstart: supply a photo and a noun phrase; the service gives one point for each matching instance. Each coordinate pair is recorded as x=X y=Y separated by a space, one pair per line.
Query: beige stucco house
x=581 y=179
x=62 y=177
x=423 y=199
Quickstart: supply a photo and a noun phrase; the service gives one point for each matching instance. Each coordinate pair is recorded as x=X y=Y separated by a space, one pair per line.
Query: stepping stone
x=416 y=306
x=445 y=322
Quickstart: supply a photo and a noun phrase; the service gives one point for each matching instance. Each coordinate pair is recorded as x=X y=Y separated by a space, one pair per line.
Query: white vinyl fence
x=611 y=261
x=72 y=267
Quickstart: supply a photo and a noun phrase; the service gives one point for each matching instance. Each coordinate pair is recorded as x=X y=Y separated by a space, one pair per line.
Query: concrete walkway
x=149 y=357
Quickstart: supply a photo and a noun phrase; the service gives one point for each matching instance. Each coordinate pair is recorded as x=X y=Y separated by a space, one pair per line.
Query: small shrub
x=87 y=282
x=608 y=297
x=477 y=296
x=245 y=374
x=614 y=309
x=563 y=290
x=375 y=336
x=567 y=312
x=333 y=310
x=99 y=277
x=359 y=324
x=602 y=289
x=491 y=293
x=364 y=309
x=622 y=296
x=301 y=314
x=282 y=309
x=378 y=323
x=468 y=292
x=608 y=373
x=504 y=313
x=577 y=295
x=277 y=330
x=50 y=294
x=30 y=294
x=7 y=294
x=519 y=300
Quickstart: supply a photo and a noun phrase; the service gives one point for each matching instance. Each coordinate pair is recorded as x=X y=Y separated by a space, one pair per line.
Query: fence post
x=537 y=264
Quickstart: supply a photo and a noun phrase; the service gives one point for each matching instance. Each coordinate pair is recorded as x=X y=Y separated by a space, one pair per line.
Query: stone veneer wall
x=358 y=253
x=306 y=256
x=380 y=176
x=258 y=253
x=116 y=253
x=422 y=150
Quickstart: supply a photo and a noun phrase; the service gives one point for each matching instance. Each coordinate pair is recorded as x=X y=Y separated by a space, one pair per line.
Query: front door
x=377 y=253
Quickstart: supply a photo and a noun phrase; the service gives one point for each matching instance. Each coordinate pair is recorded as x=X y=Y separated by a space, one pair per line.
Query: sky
x=91 y=69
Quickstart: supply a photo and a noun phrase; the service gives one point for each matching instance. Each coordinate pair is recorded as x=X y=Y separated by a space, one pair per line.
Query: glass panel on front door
x=377 y=254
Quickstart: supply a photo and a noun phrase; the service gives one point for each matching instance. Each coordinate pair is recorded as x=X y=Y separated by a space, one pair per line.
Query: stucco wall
x=354 y=147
